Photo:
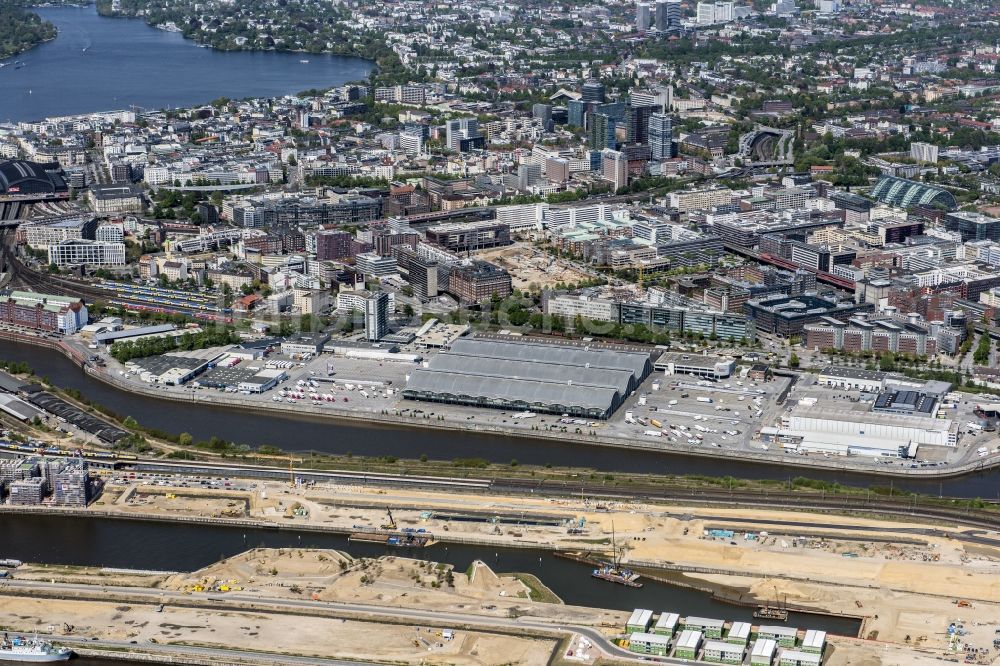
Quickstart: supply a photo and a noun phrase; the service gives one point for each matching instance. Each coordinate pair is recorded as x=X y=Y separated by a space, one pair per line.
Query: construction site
x=916 y=590
x=532 y=269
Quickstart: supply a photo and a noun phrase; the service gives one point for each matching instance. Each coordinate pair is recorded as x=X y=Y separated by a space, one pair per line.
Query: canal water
x=101 y=64
x=186 y=547
x=293 y=433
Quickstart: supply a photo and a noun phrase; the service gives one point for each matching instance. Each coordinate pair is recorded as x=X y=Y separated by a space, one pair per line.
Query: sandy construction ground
x=906 y=578
x=300 y=635
x=531 y=268
x=325 y=575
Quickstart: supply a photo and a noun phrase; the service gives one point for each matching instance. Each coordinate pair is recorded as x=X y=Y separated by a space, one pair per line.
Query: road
x=361 y=612
x=216 y=655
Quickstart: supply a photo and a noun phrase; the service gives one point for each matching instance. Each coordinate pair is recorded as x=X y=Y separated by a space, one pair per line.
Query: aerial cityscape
x=441 y=333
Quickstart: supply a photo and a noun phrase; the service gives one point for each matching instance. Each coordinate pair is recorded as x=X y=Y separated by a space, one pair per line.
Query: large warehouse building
x=525 y=375
x=853 y=430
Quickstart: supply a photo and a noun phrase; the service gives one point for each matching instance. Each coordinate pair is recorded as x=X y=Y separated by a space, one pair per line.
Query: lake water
x=101 y=64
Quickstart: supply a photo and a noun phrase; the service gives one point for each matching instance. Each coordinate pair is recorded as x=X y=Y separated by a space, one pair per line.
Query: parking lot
x=681 y=409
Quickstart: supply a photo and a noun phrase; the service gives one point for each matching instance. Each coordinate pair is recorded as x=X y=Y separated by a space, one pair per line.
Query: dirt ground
x=531 y=268
x=326 y=575
x=302 y=635
x=908 y=583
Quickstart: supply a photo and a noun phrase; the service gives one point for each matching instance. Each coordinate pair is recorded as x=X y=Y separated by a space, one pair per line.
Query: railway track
x=965 y=512
x=22 y=277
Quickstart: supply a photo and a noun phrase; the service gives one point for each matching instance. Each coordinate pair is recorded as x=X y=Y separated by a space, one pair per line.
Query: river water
x=186 y=547
x=294 y=433
x=100 y=64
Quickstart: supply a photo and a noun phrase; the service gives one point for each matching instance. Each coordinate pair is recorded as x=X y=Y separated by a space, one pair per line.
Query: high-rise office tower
x=661 y=136
x=642 y=17
x=602 y=131
x=668 y=15
x=576 y=110
x=637 y=123
x=593 y=91
x=459 y=129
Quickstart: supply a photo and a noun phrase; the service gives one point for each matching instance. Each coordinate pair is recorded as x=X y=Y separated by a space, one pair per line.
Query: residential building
x=722 y=652
x=43 y=312
x=377 y=316
x=705 y=199
x=614 y=168
x=688 y=644
x=924 y=152
x=643 y=643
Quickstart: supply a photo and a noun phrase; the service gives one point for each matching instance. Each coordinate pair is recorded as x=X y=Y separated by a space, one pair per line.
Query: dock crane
x=391 y=525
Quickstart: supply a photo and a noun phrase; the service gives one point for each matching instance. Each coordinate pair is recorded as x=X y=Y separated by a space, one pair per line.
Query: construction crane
x=391 y=525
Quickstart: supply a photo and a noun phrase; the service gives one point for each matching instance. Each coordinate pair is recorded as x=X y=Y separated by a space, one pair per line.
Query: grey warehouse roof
x=636 y=362
x=528 y=375
x=622 y=381
x=527 y=391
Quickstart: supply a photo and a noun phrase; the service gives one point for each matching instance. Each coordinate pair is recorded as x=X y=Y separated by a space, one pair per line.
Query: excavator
x=391 y=525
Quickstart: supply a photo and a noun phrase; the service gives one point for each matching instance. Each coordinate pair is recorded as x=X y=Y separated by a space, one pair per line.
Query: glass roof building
x=906 y=193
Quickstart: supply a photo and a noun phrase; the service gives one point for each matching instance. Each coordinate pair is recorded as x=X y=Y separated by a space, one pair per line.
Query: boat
x=771 y=613
x=393 y=539
x=614 y=572
x=31 y=650
x=778 y=611
x=304 y=62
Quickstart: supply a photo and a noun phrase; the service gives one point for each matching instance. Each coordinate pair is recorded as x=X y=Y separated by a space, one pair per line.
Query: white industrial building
x=852 y=430
x=263 y=381
x=853 y=379
x=672 y=363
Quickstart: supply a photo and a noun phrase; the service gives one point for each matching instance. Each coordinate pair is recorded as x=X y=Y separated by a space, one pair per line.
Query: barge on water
x=778 y=611
x=394 y=539
x=771 y=613
x=614 y=574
